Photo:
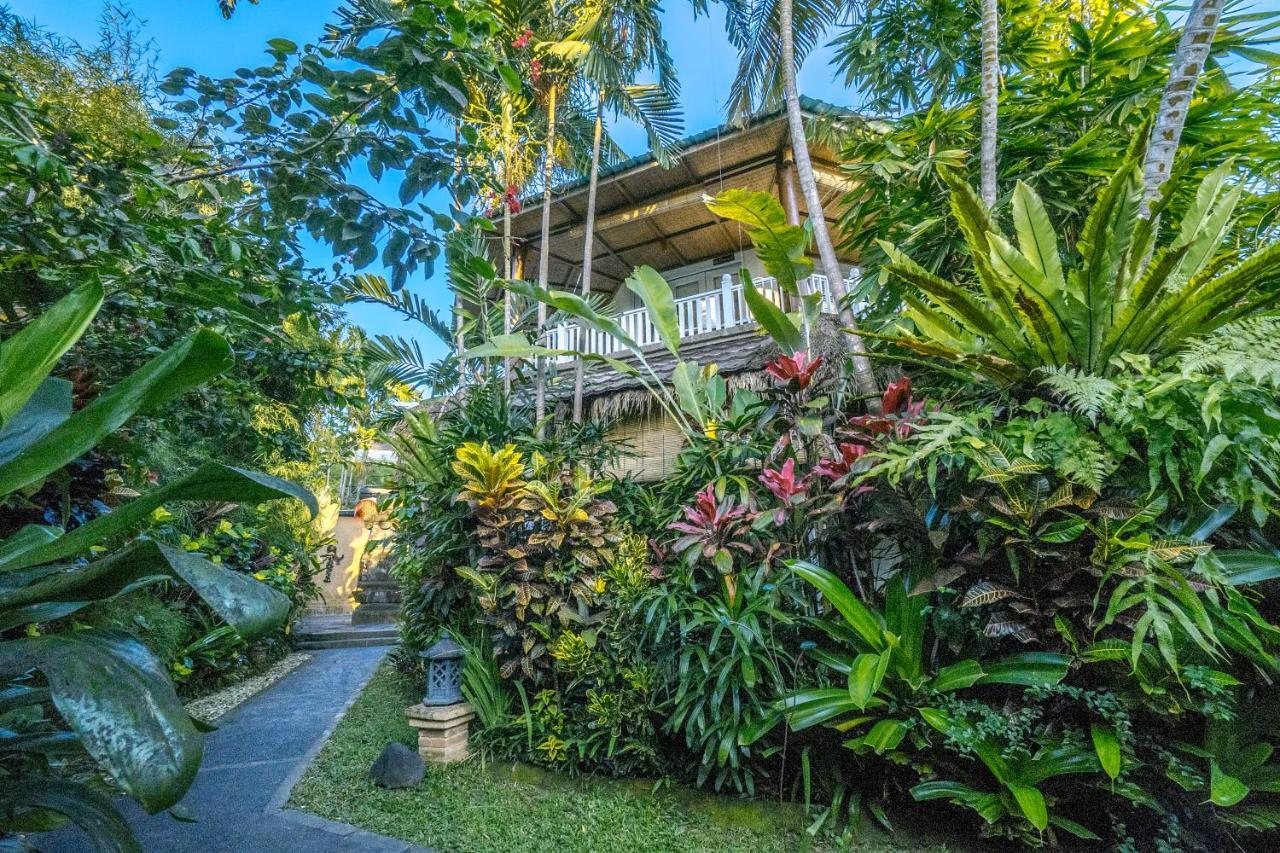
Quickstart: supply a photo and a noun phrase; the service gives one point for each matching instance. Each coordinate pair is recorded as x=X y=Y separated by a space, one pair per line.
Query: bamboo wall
x=653 y=441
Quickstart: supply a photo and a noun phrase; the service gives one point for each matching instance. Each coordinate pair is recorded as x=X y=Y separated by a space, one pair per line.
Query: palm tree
x=1171 y=115
x=990 y=98
x=624 y=39
x=544 y=255
x=864 y=375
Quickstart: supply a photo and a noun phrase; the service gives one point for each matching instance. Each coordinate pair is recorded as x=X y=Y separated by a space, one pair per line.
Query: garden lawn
x=476 y=807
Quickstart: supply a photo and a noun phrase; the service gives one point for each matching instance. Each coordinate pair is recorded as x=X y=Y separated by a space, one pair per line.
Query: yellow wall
x=352 y=537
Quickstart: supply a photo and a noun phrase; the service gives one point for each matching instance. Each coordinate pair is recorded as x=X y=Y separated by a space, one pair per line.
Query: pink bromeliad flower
x=783 y=482
x=836 y=468
x=522 y=40
x=713 y=527
x=797 y=368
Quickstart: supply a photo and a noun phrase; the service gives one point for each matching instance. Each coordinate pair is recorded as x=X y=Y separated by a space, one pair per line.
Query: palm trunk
x=544 y=257
x=864 y=375
x=459 y=325
x=990 y=98
x=508 y=272
x=589 y=237
x=1171 y=117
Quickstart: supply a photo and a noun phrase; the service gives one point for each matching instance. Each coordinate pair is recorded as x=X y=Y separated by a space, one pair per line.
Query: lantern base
x=442 y=731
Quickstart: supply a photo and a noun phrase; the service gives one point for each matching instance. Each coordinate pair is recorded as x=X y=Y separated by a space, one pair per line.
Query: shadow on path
x=251 y=762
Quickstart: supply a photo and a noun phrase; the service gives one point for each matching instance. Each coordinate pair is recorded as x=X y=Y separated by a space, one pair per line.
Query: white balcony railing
x=700 y=314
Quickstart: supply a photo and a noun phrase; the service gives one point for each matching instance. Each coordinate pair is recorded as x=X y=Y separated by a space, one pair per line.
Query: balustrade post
x=727 y=309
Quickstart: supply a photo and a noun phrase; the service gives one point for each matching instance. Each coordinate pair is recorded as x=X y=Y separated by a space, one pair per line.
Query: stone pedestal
x=442 y=731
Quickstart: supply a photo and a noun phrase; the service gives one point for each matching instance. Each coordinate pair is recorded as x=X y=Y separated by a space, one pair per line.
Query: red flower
x=513 y=199
x=895 y=395
x=713 y=527
x=535 y=70
x=522 y=40
x=796 y=367
x=783 y=483
x=837 y=468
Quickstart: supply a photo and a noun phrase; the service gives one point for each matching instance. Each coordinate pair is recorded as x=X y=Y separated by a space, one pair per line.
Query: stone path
x=259 y=752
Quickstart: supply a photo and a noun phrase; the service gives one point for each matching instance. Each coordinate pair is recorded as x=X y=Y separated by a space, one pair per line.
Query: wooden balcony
x=702 y=314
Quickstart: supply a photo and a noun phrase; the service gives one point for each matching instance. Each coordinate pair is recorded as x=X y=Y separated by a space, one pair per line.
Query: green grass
x=474 y=807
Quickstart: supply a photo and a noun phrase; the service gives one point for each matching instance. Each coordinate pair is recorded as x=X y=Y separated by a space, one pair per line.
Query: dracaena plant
x=1120 y=293
x=113 y=699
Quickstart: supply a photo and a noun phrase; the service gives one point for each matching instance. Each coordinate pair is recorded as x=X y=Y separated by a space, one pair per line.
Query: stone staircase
x=337 y=632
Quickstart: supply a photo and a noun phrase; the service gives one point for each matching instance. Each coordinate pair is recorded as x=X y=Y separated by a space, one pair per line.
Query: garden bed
x=479 y=806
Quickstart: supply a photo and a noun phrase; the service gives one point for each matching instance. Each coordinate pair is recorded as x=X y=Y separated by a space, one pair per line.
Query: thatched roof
x=650 y=215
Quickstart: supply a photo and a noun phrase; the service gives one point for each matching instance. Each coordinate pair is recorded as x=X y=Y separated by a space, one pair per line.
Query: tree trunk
x=588 y=245
x=864 y=375
x=990 y=98
x=544 y=258
x=1171 y=116
x=509 y=273
x=459 y=325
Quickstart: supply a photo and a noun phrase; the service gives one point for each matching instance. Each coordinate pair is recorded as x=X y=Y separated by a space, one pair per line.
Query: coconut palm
x=622 y=40
x=767 y=35
x=1188 y=61
x=990 y=98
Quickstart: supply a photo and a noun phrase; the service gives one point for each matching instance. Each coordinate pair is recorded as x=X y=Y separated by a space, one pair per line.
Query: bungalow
x=650 y=215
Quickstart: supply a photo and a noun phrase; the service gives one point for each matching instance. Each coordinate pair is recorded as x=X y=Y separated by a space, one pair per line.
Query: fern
x=1085 y=394
x=1246 y=348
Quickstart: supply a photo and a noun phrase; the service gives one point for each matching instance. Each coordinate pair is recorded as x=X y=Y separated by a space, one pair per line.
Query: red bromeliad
x=797 y=368
x=783 y=483
x=522 y=40
x=535 y=70
x=713 y=528
x=839 y=467
x=899 y=414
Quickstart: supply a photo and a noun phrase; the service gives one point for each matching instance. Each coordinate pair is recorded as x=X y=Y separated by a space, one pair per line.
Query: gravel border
x=211 y=708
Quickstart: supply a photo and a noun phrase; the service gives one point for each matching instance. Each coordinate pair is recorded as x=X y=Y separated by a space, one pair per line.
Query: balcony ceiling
x=650 y=215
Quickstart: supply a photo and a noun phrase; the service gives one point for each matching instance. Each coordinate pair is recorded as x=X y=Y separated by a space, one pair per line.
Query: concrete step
x=348 y=643
x=383 y=631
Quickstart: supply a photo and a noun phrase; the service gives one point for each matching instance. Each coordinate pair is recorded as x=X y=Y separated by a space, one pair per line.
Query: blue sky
x=192 y=33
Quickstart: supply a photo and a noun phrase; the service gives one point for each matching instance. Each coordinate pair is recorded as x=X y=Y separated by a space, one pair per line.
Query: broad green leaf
x=865 y=622
x=575 y=306
x=1241 y=567
x=252 y=608
x=212 y=481
x=27 y=538
x=1037 y=239
x=168 y=375
x=655 y=293
x=29 y=355
x=1107 y=747
x=1030 y=669
x=807 y=708
x=685 y=379
x=1076 y=829
x=779 y=245
x=83 y=806
x=866 y=675
x=957 y=676
x=1225 y=790
x=513 y=346
x=1032 y=804
x=937 y=719
x=49 y=406
x=772 y=319
x=885 y=735
x=118 y=698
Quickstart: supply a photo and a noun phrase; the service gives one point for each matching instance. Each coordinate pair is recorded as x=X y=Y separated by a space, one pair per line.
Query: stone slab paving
x=251 y=763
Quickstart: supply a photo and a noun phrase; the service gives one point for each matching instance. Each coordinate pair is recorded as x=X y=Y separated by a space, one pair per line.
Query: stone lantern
x=444 y=672
x=442 y=718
